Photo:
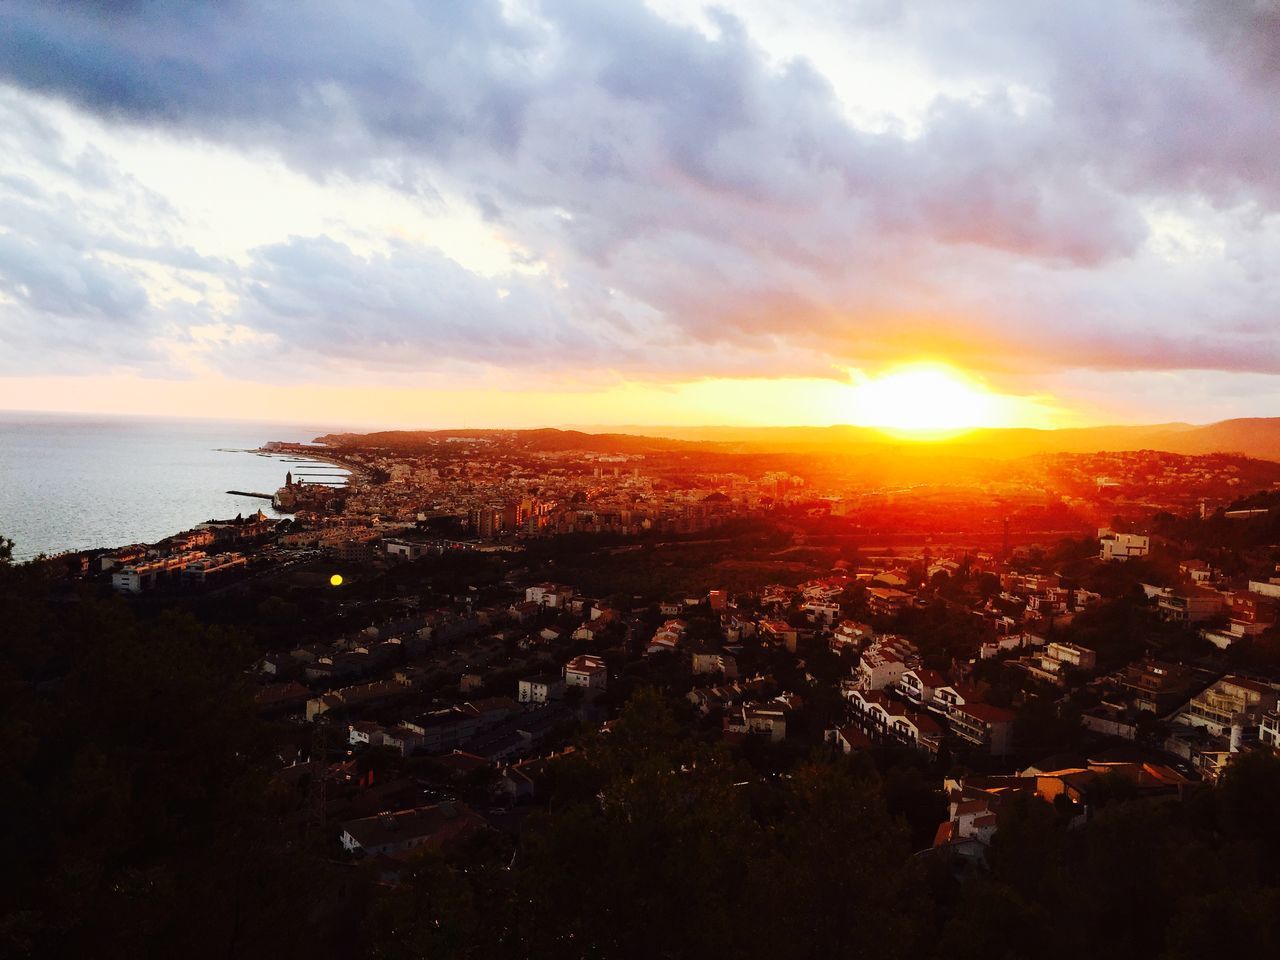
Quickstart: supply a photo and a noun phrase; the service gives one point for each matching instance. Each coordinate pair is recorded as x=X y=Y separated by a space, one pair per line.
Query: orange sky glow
x=801 y=219
x=910 y=398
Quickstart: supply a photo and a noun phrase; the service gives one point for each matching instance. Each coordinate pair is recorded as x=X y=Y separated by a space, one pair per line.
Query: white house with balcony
x=1122 y=546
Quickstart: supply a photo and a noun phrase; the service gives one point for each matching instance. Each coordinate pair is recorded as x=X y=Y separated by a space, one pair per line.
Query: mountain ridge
x=1257 y=437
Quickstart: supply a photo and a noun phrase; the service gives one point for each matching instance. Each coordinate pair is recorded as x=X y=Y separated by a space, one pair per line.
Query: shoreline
x=25 y=556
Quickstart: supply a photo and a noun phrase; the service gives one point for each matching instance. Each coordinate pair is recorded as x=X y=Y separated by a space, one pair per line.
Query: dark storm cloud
x=420 y=75
x=682 y=185
x=404 y=308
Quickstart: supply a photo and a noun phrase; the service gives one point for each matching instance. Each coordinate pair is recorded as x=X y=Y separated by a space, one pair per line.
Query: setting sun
x=930 y=398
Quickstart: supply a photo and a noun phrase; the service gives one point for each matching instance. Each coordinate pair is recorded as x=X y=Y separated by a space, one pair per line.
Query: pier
x=250 y=493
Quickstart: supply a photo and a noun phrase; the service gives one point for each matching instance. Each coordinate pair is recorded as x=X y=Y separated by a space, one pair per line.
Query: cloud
x=678 y=199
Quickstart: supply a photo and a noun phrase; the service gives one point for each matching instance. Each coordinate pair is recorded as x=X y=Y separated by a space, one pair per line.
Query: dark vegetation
x=140 y=820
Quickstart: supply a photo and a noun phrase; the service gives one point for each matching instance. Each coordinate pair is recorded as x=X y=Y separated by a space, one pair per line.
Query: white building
x=548 y=595
x=1122 y=546
x=918 y=685
x=587 y=672
x=885 y=661
x=540 y=689
x=822 y=611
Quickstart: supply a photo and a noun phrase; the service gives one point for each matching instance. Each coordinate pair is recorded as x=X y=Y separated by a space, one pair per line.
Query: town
x=441 y=642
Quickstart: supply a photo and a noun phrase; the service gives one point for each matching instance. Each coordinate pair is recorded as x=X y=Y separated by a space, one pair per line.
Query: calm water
x=74 y=482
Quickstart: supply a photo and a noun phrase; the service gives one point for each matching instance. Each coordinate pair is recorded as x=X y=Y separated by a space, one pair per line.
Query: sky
x=533 y=212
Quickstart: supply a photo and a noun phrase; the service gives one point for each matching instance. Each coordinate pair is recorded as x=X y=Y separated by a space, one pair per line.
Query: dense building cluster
x=443 y=645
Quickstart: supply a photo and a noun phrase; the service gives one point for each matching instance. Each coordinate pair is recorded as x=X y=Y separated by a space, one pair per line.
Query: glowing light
x=930 y=398
x=335 y=580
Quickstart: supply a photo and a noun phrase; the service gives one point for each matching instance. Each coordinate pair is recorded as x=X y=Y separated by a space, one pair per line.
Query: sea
x=75 y=482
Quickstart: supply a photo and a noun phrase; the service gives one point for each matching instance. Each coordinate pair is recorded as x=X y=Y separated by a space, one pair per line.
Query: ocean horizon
x=85 y=481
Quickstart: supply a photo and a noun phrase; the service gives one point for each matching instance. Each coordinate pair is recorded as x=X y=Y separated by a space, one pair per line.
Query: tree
x=1248 y=798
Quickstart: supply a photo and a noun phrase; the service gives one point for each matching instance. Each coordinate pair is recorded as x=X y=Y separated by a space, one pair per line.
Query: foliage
x=141 y=819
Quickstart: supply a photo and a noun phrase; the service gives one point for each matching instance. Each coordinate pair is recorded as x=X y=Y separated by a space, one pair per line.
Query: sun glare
x=930 y=400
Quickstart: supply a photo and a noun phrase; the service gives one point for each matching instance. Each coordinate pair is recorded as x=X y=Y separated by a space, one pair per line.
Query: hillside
x=547 y=439
x=1257 y=437
x=1254 y=437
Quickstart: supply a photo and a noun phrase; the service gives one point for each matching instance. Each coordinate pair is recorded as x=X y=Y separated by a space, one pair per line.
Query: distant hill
x=1257 y=437
x=1253 y=436
x=999 y=443
x=547 y=439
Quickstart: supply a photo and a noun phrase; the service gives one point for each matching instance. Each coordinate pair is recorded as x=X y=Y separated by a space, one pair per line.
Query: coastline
x=87 y=485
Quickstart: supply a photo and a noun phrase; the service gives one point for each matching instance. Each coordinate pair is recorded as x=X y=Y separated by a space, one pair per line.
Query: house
x=400 y=549
x=767 y=720
x=885 y=661
x=528 y=779
x=848 y=739
x=949 y=567
x=974 y=801
x=850 y=635
x=1192 y=605
x=361 y=695
x=548 y=595
x=1269 y=730
x=400 y=831
x=1110 y=720
x=983 y=725
x=1250 y=614
x=1080 y=597
x=886 y=721
x=886 y=601
x=1030 y=584
x=780 y=633
x=824 y=612
x=707 y=700
x=661 y=644
x=970 y=825
x=917 y=730
x=872 y=710
x=776 y=595
x=667 y=637
x=918 y=684
x=586 y=672
x=404 y=739
x=1197 y=570
x=542 y=688
x=1266 y=588
x=1157 y=686
x=1122 y=546
x=1230 y=706
x=592 y=630
x=737 y=627
x=364 y=732
x=826 y=588
x=1057 y=661
x=949 y=696
x=451 y=727
x=723 y=663
x=1007 y=642
x=1253 y=612
x=952 y=695
x=1047 y=604
x=891 y=578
